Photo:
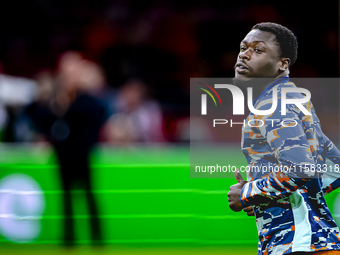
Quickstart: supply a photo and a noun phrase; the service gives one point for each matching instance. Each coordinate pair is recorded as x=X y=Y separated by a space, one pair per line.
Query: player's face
x=259 y=56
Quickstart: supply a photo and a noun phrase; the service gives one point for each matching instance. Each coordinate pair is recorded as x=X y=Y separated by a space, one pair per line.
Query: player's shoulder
x=290 y=90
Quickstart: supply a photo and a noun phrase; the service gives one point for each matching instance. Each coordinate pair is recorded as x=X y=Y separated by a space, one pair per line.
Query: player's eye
x=243 y=48
x=258 y=51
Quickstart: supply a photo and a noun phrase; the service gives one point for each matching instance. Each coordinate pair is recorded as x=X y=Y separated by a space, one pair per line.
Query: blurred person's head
x=267 y=51
x=91 y=77
x=132 y=94
x=69 y=69
x=45 y=82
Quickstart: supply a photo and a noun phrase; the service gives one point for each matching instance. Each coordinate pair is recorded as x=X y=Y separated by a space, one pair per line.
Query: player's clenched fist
x=235 y=193
x=249 y=210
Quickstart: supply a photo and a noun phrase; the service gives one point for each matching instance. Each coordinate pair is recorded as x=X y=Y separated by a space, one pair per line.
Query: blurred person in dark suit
x=71 y=117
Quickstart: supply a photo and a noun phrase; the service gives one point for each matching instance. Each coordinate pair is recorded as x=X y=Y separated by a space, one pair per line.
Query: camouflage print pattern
x=286 y=176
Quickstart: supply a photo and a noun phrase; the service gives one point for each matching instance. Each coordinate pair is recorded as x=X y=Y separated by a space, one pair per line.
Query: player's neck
x=262 y=84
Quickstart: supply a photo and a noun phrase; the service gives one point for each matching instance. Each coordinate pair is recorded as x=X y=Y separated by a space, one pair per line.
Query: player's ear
x=284 y=64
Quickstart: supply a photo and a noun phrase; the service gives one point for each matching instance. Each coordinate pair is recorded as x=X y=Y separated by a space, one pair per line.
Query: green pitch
x=147 y=201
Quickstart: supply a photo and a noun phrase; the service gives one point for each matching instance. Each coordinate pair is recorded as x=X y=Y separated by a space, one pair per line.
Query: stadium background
x=147 y=201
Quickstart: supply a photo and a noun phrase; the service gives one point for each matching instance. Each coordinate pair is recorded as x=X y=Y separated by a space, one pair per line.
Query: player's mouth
x=241 y=68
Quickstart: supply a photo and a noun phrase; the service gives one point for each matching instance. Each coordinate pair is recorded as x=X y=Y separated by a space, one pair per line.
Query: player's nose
x=245 y=55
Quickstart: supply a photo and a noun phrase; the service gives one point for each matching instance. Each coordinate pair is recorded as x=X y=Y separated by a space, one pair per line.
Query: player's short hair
x=285 y=39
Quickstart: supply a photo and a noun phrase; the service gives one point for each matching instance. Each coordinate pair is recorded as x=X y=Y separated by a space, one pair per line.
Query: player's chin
x=240 y=79
x=243 y=76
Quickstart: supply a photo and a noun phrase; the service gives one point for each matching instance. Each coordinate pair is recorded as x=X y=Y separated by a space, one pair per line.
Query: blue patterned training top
x=287 y=195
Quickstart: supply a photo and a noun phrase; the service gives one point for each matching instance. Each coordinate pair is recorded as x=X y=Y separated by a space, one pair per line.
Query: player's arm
x=292 y=151
x=330 y=178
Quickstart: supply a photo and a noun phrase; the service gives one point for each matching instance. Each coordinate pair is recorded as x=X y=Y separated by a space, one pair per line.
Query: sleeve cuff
x=245 y=191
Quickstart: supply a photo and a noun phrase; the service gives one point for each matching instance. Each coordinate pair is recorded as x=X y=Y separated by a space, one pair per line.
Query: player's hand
x=235 y=193
x=249 y=210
